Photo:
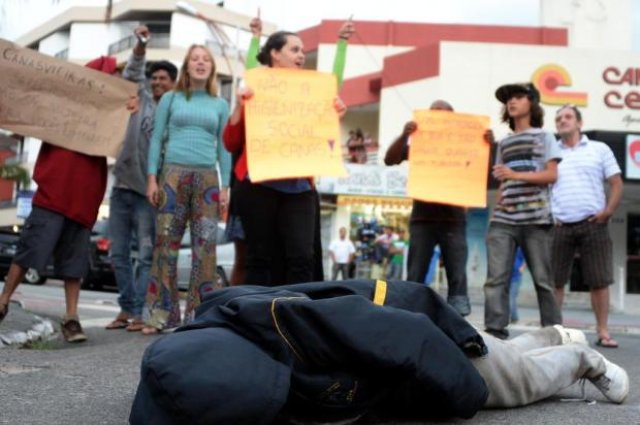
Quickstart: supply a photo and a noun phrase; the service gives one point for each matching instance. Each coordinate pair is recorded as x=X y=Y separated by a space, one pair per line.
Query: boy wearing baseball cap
x=526 y=164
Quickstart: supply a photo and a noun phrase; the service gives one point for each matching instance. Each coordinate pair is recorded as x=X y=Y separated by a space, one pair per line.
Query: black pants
x=279 y=231
x=451 y=236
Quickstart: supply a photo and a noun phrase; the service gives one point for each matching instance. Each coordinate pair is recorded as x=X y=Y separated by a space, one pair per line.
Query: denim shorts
x=47 y=233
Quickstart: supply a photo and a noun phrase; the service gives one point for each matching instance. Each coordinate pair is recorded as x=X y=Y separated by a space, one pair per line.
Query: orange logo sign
x=548 y=78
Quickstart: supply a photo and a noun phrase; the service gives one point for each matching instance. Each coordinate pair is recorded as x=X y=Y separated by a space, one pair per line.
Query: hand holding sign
x=448 y=158
x=63 y=103
x=292 y=124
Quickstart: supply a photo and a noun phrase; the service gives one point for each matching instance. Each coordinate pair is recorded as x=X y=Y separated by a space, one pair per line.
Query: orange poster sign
x=449 y=159
x=292 y=127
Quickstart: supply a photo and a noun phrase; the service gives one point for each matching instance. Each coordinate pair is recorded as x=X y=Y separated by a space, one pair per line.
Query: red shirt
x=235 y=141
x=70 y=183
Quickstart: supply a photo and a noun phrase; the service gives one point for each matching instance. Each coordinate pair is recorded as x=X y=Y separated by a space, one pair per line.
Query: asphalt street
x=94 y=383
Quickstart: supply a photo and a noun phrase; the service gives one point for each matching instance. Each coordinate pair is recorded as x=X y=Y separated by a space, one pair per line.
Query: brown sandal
x=136 y=326
x=4 y=310
x=120 y=322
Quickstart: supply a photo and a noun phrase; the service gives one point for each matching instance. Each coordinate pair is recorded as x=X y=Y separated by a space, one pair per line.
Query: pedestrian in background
x=582 y=210
x=131 y=216
x=396 y=256
x=187 y=191
x=341 y=252
x=526 y=163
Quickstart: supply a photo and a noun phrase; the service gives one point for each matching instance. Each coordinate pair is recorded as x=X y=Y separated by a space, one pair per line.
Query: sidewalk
x=579 y=318
x=21 y=326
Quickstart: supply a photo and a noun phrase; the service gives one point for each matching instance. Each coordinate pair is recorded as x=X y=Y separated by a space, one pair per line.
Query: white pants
x=534 y=366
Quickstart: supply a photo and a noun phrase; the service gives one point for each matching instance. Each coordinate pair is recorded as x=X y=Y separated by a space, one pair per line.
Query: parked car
x=225 y=253
x=100 y=271
x=9 y=236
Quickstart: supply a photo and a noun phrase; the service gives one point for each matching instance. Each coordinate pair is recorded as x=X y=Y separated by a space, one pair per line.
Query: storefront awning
x=382 y=201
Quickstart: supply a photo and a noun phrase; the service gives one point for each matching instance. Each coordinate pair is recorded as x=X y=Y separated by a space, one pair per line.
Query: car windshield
x=220 y=237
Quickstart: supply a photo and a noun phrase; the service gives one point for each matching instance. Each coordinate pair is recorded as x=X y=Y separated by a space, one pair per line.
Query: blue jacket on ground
x=322 y=351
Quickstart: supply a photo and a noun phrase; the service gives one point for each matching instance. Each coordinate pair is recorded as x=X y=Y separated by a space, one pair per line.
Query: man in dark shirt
x=434 y=224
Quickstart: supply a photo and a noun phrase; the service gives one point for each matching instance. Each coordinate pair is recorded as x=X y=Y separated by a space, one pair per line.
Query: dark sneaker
x=72 y=331
x=460 y=303
x=498 y=333
x=614 y=383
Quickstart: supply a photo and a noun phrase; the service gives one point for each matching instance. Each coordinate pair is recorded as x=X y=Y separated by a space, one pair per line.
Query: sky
x=20 y=16
x=297 y=14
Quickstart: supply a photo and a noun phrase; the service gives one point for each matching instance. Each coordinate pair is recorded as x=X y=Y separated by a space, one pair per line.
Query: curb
x=38 y=329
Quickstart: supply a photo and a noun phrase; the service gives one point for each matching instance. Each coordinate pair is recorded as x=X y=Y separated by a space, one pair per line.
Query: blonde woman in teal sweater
x=185 y=189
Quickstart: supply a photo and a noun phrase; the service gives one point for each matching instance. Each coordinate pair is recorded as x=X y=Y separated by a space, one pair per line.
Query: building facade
x=80 y=34
x=581 y=56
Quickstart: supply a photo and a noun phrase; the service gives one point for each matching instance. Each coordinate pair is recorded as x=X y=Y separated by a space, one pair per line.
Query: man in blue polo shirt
x=581 y=212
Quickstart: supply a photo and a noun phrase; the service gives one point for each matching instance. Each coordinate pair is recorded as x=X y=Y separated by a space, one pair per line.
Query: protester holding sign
x=434 y=224
x=130 y=213
x=278 y=216
x=71 y=187
x=234 y=229
x=526 y=164
x=184 y=186
x=63 y=103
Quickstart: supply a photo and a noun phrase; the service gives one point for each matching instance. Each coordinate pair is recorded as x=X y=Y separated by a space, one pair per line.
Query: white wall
x=90 y=40
x=186 y=31
x=54 y=43
x=471 y=72
x=361 y=60
x=592 y=23
x=397 y=104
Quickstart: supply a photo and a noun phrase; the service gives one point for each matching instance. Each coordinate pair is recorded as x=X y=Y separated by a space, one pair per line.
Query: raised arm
x=399 y=149
x=252 y=54
x=346 y=31
x=134 y=71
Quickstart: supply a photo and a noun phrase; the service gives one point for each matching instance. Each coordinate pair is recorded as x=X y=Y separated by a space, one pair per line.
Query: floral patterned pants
x=187 y=196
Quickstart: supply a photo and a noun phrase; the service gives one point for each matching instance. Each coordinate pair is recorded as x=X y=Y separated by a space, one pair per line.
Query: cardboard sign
x=62 y=103
x=449 y=159
x=292 y=127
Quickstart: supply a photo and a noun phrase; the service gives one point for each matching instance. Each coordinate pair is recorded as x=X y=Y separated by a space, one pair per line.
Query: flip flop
x=607 y=342
x=118 y=323
x=136 y=326
x=4 y=310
